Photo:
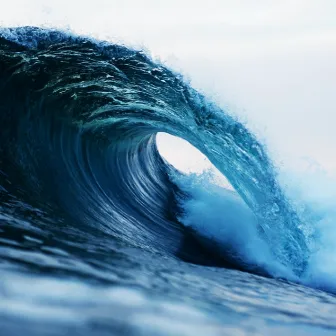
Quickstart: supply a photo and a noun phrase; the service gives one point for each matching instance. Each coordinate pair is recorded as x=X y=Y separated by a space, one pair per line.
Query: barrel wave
x=79 y=120
x=100 y=235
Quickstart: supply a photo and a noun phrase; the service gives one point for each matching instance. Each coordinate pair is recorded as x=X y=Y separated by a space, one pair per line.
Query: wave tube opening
x=214 y=211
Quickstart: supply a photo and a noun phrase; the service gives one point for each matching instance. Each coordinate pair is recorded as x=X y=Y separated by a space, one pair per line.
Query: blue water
x=101 y=235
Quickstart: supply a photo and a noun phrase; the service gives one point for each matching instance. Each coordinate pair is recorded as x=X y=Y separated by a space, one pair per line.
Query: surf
x=80 y=119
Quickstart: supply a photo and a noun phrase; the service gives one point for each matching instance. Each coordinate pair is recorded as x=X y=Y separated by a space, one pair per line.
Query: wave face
x=79 y=120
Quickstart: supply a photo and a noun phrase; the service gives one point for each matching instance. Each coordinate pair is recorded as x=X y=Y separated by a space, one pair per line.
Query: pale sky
x=272 y=62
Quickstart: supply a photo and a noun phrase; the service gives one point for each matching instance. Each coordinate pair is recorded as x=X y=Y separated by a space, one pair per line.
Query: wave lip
x=80 y=118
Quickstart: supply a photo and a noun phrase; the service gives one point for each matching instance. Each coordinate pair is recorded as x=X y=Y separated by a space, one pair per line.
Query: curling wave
x=78 y=124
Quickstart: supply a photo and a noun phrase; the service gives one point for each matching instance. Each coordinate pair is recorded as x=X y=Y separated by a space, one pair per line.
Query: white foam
x=221 y=215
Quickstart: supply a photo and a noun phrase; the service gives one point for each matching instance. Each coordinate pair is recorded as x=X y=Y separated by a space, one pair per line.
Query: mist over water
x=312 y=192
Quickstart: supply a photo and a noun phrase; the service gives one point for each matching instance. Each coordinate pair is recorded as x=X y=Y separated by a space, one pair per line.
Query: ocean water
x=99 y=234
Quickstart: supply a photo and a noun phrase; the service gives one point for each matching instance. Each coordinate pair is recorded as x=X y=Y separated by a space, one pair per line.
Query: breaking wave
x=78 y=150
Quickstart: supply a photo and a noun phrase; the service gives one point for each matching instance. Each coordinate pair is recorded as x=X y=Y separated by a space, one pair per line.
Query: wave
x=79 y=119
